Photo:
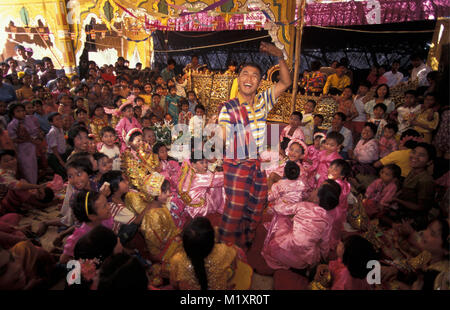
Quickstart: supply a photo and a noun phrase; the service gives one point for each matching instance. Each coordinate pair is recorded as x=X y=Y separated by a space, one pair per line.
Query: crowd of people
x=132 y=214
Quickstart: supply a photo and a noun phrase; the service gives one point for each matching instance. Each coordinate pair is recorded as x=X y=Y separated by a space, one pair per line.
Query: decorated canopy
x=64 y=30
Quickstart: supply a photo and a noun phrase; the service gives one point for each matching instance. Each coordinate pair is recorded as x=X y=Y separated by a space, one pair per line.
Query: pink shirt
x=366 y=152
x=123 y=127
x=380 y=192
x=297 y=242
x=79 y=232
x=319 y=169
x=339 y=213
x=298 y=133
x=206 y=191
x=387 y=146
x=288 y=191
x=343 y=280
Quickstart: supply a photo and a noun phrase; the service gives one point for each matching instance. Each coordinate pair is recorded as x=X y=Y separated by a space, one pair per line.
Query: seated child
x=290 y=189
x=198 y=121
x=19 y=192
x=91 y=209
x=206 y=265
x=158 y=226
x=136 y=162
x=104 y=164
x=387 y=143
x=308 y=121
x=318 y=172
x=185 y=115
x=349 y=271
x=126 y=123
x=296 y=153
x=119 y=188
x=57 y=148
x=339 y=171
x=380 y=192
x=378 y=119
x=201 y=190
x=98 y=121
x=149 y=136
x=109 y=146
x=168 y=166
x=302 y=241
x=366 y=151
x=293 y=130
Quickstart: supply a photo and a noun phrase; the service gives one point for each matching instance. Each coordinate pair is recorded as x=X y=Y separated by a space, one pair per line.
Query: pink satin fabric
x=300 y=241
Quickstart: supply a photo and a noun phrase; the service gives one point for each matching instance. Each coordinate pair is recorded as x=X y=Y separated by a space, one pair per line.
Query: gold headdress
x=151 y=184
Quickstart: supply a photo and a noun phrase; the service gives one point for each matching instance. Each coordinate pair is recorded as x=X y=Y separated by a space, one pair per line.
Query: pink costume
x=343 y=280
x=312 y=155
x=339 y=214
x=299 y=242
x=270 y=160
x=319 y=169
x=171 y=170
x=366 y=152
x=123 y=127
x=298 y=133
x=26 y=151
x=378 y=195
x=287 y=192
x=386 y=147
x=280 y=169
x=79 y=232
x=203 y=193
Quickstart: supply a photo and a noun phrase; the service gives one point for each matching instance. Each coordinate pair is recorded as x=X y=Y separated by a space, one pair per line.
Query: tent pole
x=298 y=41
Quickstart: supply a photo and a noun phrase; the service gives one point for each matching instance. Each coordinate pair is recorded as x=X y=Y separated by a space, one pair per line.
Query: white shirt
x=404 y=117
x=112 y=153
x=421 y=73
x=348 y=139
x=359 y=105
x=196 y=125
x=393 y=79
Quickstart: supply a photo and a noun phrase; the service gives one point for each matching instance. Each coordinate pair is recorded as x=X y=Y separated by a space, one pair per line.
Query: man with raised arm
x=245 y=184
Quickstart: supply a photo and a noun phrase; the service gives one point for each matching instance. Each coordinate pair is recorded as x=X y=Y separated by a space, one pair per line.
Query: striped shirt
x=121 y=215
x=257 y=115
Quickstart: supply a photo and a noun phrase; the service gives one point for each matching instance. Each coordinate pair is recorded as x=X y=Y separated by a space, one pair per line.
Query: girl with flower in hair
x=126 y=123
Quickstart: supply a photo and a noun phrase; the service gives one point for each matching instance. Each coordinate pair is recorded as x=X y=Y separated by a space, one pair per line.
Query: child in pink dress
x=201 y=189
x=293 y=130
x=313 y=151
x=91 y=209
x=318 y=172
x=168 y=166
x=295 y=151
x=387 y=143
x=380 y=192
x=339 y=171
x=349 y=271
x=127 y=123
x=301 y=241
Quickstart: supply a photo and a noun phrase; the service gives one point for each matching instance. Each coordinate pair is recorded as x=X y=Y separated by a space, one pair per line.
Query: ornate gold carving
x=214 y=88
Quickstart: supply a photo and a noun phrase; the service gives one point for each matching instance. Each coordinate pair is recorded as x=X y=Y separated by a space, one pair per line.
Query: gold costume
x=223 y=268
x=137 y=165
x=159 y=230
x=96 y=126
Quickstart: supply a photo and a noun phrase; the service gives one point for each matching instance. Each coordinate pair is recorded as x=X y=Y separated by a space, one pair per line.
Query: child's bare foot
x=42 y=229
